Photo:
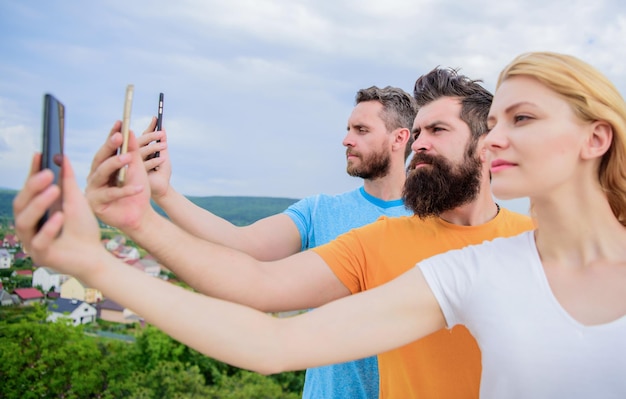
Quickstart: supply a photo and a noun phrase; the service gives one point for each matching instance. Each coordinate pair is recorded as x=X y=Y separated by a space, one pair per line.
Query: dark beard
x=432 y=190
x=373 y=167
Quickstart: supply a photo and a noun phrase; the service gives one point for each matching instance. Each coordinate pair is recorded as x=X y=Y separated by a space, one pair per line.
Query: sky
x=258 y=92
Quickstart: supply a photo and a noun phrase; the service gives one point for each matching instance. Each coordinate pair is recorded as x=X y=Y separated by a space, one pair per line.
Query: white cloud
x=17 y=145
x=258 y=91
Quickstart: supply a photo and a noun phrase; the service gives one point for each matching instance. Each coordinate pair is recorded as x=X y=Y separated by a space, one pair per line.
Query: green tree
x=116 y=366
x=48 y=360
x=58 y=360
x=290 y=381
x=5 y=273
x=24 y=263
x=22 y=281
x=164 y=381
x=15 y=314
x=153 y=346
x=246 y=385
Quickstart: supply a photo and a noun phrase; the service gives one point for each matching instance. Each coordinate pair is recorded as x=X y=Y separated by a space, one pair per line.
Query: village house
x=112 y=311
x=19 y=255
x=109 y=310
x=78 y=311
x=127 y=253
x=23 y=273
x=117 y=246
x=28 y=296
x=163 y=268
x=115 y=243
x=6 y=259
x=49 y=279
x=10 y=241
x=53 y=295
x=5 y=298
x=147 y=265
x=74 y=289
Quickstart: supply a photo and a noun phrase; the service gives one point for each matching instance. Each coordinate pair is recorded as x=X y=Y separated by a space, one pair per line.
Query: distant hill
x=6 y=204
x=240 y=211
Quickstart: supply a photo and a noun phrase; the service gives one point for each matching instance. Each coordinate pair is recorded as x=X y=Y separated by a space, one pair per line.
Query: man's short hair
x=446 y=82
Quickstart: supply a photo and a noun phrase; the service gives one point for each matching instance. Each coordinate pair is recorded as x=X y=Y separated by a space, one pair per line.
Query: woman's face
x=534 y=141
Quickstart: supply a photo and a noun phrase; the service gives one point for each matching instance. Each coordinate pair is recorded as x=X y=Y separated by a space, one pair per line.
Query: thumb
x=70 y=187
x=151 y=126
x=132 y=141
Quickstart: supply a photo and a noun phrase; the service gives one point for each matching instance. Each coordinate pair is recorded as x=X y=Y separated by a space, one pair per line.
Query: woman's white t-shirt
x=531 y=347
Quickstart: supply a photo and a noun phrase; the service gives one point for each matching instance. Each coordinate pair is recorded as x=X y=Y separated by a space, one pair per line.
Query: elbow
x=270 y=367
x=267 y=372
x=273 y=359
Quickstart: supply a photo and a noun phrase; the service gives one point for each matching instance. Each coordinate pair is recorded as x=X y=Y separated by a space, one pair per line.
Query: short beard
x=432 y=190
x=373 y=167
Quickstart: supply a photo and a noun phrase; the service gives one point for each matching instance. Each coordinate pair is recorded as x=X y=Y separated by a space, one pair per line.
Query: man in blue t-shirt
x=378 y=142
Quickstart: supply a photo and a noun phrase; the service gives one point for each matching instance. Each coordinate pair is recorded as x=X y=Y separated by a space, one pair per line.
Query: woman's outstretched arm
x=354 y=327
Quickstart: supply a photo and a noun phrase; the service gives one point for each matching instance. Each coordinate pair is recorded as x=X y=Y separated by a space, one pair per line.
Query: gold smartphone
x=128 y=102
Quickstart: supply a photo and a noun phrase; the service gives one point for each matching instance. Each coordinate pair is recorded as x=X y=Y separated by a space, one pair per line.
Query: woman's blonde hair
x=593 y=98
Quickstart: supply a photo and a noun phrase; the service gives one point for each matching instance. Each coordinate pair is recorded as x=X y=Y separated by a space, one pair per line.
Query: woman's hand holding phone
x=159 y=169
x=158 y=127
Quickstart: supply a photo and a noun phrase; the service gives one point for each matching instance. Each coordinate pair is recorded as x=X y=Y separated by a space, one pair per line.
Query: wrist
x=170 y=200
x=142 y=231
x=96 y=262
x=164 y=198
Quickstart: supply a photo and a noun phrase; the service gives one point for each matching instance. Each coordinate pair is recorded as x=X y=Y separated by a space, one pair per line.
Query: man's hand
x=159 y=169
x=122 y=207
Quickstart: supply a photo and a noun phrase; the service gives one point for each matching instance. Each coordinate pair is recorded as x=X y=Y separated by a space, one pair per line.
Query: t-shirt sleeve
x=346 y=257
x=452 y=276
x=301 y=213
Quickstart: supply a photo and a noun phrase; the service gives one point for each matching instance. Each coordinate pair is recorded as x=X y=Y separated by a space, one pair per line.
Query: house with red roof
x=117 y=246
x=10 y=241
x=28 y=296
x=23 y=273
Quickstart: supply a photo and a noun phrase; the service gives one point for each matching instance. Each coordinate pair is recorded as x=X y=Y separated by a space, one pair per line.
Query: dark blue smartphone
x=52 y=147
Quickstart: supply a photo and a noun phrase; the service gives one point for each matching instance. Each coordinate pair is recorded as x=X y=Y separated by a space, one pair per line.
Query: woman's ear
x=599 y=140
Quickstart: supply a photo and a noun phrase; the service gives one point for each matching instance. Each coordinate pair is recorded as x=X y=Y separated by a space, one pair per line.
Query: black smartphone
x=158 y=124
x=128 y=102
x=52 y=148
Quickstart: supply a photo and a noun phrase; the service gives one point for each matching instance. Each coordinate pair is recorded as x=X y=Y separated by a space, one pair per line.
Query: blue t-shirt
x=320 y=219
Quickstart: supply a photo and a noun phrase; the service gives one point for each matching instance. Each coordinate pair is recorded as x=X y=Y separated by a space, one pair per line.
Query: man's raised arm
x=271 y=238
x=297 y=282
